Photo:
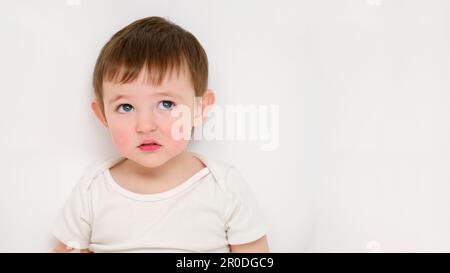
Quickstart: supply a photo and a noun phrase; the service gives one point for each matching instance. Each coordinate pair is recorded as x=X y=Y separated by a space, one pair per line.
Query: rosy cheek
x=120 y=138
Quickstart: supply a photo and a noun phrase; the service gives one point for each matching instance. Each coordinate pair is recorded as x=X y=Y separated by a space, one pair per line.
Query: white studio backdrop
x=362 y=87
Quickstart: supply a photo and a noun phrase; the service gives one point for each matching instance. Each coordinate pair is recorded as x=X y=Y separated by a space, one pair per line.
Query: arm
x=259 y=246
x=62 y=248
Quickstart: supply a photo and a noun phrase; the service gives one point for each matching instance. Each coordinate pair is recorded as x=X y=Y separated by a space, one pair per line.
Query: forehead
x=175 y=82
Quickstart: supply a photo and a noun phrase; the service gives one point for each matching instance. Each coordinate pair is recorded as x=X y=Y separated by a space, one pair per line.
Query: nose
x=146 y=122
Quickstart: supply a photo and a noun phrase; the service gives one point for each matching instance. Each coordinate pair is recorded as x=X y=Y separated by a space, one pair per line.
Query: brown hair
x=158 y=44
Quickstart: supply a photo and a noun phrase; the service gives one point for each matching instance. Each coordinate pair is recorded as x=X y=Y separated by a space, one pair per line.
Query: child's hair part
x=154 y=44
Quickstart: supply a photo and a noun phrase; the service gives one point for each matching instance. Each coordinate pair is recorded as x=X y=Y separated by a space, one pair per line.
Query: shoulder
x=227 y=176
x=94 y=172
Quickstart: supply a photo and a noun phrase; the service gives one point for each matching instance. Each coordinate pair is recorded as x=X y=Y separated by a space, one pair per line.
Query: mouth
x=149 y=146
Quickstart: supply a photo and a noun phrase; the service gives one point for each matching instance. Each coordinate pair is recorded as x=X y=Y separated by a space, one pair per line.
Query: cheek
x=177 y=143
x=120 y=138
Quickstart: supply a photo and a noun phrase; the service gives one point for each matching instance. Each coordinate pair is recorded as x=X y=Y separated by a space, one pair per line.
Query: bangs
x=156 y=63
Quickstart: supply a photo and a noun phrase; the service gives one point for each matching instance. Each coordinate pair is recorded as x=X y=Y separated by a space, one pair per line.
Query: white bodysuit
x=206 y=213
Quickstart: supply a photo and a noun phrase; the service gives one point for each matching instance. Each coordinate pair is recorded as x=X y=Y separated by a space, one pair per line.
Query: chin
x=151 y=161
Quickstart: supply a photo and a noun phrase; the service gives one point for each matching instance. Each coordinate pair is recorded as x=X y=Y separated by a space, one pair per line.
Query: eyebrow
x=120 y=96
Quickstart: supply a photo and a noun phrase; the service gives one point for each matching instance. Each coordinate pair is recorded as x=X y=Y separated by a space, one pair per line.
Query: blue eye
x=166 y=105
x=127 y=107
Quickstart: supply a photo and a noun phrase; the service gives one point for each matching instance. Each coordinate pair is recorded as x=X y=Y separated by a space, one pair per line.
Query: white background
x=363 y=89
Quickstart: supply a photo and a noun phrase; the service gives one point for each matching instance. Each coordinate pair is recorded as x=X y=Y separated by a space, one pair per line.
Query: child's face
x=143 y=113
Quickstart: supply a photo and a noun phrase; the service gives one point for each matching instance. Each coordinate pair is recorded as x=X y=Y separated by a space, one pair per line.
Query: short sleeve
x=244 y=219
x=73 y=226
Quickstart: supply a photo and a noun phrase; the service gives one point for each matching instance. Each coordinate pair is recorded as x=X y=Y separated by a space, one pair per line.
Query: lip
x=149 y=145
x=149 y=141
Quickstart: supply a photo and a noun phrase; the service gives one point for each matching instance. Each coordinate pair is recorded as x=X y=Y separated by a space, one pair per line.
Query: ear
x=206 y=103
x=98 y=112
